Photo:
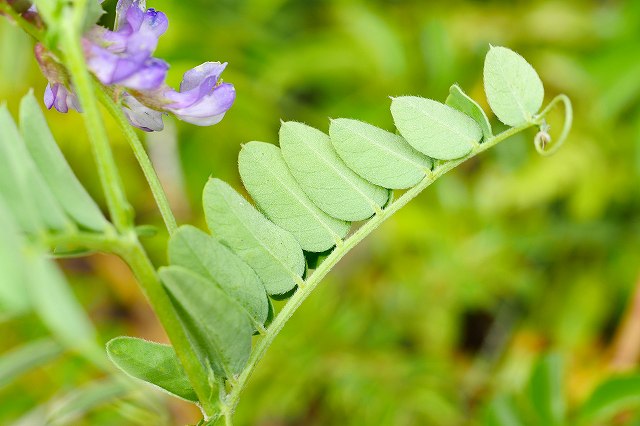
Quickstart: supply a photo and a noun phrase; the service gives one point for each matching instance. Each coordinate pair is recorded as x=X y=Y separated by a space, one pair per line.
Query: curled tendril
x=543 y=138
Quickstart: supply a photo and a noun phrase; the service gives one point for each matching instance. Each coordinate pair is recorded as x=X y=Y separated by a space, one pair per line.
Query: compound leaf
x=269 y=182
x=325 y=178
x=435 y=129
x=514 y=89
x=462 y=102
x=201 y=253
x=218 y=327
x=381 y=157
x=272 y=252
x=55 y=170
x=153 y=363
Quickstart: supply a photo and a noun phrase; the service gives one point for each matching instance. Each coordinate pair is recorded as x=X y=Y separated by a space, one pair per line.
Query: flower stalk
x=119 y=208
x=143 y=159
x=129 y=248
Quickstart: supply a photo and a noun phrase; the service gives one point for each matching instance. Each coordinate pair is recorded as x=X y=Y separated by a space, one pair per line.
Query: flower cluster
x=124 y=58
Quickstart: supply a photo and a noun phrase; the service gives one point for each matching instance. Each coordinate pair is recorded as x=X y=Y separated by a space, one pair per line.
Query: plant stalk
x=143 y=159
x=26 y=26
x=143 y=269
x=127 y=245
x=119 y=209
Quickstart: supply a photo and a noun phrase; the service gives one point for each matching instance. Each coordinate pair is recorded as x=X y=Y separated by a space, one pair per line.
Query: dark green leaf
x=218 y=326
x=153 y=363
x=611 y=397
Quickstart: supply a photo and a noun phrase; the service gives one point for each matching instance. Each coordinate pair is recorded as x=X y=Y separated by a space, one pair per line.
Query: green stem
x=130 y=250
x=127 y=245
x=143 y=159
x=119 y=208
x=339 y=252
x=136 y=257
x=228 y=419
x=106 y=243
x=566 y=127
x=27 y=26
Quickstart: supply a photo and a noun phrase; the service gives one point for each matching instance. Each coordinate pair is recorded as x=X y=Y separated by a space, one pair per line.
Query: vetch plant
x=215 y=294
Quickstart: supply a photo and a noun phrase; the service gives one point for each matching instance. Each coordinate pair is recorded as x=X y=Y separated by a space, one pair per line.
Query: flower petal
x=196 y=84
x=210 y=109
x=155 y=22
x=61 y=98
x=122 y=9
x=140 y=116
x=195 y=76
x=137 y=71
x=149 y=76
x=49 y=96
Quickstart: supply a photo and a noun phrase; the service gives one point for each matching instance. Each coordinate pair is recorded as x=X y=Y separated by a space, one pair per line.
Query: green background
x=510 y=256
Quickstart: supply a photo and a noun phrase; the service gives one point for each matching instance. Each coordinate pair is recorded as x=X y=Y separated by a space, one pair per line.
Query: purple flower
x=201 y=100
x=61 y=98
x=123 y=57
x=137 y=71
x=56 y=93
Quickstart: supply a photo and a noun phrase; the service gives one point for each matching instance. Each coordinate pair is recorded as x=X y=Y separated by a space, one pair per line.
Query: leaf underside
x=269 y=182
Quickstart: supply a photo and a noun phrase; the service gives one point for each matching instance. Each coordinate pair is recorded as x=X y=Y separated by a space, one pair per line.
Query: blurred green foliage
x=452 y=301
